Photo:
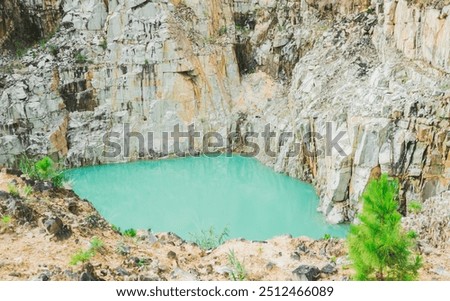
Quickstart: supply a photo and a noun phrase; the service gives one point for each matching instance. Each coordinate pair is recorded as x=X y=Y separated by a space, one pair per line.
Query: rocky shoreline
x=47 y=228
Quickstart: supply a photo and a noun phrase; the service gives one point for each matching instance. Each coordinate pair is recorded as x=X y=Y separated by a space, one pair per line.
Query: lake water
x=188 y=195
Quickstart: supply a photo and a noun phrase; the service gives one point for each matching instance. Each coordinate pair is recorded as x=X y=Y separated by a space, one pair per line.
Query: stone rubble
x=432 y=224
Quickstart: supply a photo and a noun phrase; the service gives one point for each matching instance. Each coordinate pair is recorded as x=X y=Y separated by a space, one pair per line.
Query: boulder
x=307 y=273
x=329 y=269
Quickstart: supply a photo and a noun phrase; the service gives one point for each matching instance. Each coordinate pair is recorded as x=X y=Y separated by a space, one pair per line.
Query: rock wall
x=378 y=72
x=419 y=33
x=23 y=22
x=350 y=78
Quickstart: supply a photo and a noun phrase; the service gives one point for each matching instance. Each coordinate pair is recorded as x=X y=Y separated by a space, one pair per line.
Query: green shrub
x=42 y=43
x=327 y=236
x=141 y=262
x=414 y=207
x=6 y=219
x=42 y=170
x=81 y=256
x=45 y=168
x=13 y=191
x=116 y=229
x=96 y=244
x=53 y=49
x=80 y=58
x=84 y=256
x=130 y=233
x=412 y=234
x=208 y=240
x=58 y=180
x=379 y=247
x=238 y=272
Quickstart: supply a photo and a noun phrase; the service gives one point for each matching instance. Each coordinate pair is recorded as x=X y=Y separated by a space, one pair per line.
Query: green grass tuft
x=81 y=256
x=6 y=219
x=208 y=240
x=80 y=58
x=96 y=244
x=130 y=233
x=13 y=191
x=27 y=190
x=84 y=256
x=414 y=207
x=238 y=273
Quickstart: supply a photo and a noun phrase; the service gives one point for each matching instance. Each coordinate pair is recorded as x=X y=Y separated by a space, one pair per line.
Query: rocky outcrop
x=419 y=33
x=393 y=113
x=378 y=72
x=23 y=22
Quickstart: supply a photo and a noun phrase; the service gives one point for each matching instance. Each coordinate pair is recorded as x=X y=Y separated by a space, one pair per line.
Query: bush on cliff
x=42 y=170
x=379 y=248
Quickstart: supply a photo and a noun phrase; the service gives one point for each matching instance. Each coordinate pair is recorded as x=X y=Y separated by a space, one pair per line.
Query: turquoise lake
x=188 y=195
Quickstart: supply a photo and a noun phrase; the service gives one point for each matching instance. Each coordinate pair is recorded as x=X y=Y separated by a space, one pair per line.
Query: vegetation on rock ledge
x=42 y=170
x=208 y=240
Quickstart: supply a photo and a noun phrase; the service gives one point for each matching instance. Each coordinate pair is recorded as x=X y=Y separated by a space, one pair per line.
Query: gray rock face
x=379 y=76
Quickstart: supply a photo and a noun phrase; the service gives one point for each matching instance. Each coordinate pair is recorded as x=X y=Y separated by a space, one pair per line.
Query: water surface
x=189 y=195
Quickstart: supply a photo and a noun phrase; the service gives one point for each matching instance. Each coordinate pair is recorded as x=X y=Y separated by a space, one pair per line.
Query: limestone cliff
x=379 y=71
